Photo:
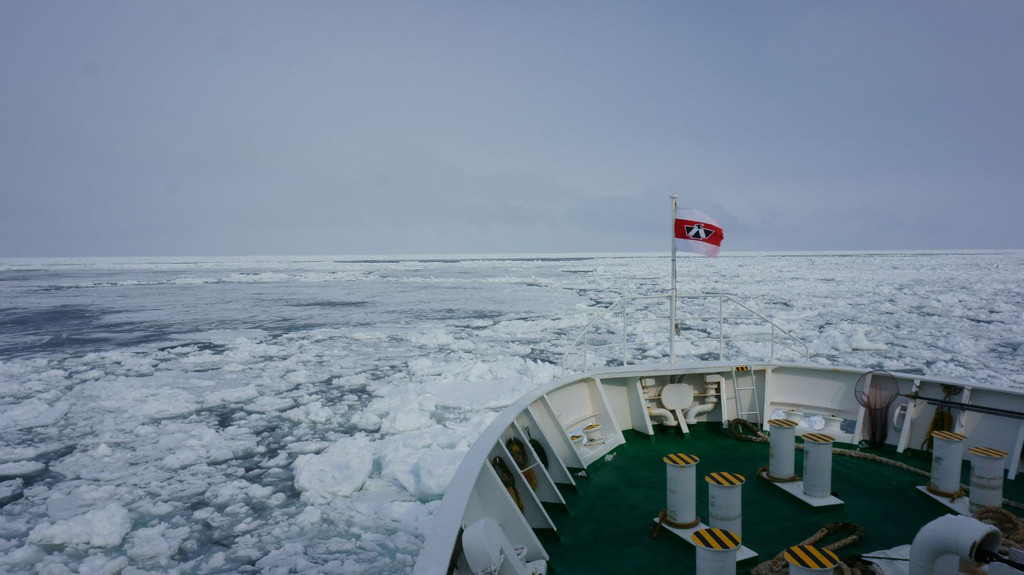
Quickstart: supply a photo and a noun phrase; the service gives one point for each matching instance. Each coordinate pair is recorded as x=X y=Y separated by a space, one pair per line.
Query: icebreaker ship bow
x=748 y=456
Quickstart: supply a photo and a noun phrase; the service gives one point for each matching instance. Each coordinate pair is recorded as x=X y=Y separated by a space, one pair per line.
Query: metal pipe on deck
x=951 y=535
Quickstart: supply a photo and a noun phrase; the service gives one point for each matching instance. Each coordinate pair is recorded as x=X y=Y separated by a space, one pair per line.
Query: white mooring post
x=986 y=477
x=947 y=458
x=725 y=501
x=681 y=489
x=716 y=551
x=818 y=464
x=815 y=489
x=944 y=483
x=783 y=447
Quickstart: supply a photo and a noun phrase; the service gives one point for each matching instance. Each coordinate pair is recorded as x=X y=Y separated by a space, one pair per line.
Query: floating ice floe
x=314 y=412
x=21 y=469
x=155 y=544
x=31 y=413
x=339 y=471
x=11 y=490
x=105 y=526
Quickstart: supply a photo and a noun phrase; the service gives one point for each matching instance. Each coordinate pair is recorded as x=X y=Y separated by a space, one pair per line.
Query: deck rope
x=952 y=495
x=663 y=519
x=757 y=437
x=763 y=472
x=779 y=565
x=1008 y=524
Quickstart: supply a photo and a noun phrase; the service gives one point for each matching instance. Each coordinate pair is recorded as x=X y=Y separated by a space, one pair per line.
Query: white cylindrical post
x=725 y=501
x=947 y=458
x=783 y=447
x=716 y=551
x=818 y=464
x=986 y=477
x=808 y=559
x=681 y=489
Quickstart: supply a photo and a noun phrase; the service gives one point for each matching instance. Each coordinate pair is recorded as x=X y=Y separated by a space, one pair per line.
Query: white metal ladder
x=736 y=389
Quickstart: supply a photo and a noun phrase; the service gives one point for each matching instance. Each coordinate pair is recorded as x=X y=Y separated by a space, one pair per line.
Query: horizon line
x=514 y=255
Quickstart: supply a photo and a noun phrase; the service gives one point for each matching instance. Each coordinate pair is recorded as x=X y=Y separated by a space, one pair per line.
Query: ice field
x=304 y=415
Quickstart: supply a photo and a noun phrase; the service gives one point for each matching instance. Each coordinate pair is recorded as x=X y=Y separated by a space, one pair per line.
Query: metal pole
x=672 y=300
x=625 y=336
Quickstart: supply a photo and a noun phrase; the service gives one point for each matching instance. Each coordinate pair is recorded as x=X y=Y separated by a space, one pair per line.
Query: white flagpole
x=672 y=297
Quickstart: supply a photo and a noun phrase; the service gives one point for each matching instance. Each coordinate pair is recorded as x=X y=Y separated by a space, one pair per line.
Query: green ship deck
x=608 y=521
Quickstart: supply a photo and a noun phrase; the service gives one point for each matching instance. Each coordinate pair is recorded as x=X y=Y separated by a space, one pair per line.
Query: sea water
x=304 y=415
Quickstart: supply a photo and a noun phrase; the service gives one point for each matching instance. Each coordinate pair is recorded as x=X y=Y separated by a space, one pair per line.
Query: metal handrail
x=583 y=346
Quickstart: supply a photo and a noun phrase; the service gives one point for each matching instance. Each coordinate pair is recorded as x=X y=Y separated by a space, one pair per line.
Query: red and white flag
x=698 y=232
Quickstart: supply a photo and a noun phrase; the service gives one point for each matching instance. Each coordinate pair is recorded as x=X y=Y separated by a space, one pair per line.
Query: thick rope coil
x=952 y=495
x=663 y=519
x=779 y=565
x=1008 y=524
x=762 y=472
x=758 y=437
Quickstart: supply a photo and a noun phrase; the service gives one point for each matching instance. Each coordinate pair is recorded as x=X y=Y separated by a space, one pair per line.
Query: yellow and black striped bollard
x=716 y=551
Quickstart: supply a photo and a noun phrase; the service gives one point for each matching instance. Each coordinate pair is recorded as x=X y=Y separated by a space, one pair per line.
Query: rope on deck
x=779 y=565
x=1008 y=524
x=663 y=519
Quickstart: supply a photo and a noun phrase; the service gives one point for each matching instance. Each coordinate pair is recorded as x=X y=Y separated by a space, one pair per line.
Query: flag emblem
x=697 y=232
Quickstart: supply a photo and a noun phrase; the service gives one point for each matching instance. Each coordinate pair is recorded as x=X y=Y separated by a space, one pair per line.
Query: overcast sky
x=267 y=128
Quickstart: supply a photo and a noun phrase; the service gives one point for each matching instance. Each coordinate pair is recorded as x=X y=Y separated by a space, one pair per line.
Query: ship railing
x=708 y=326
